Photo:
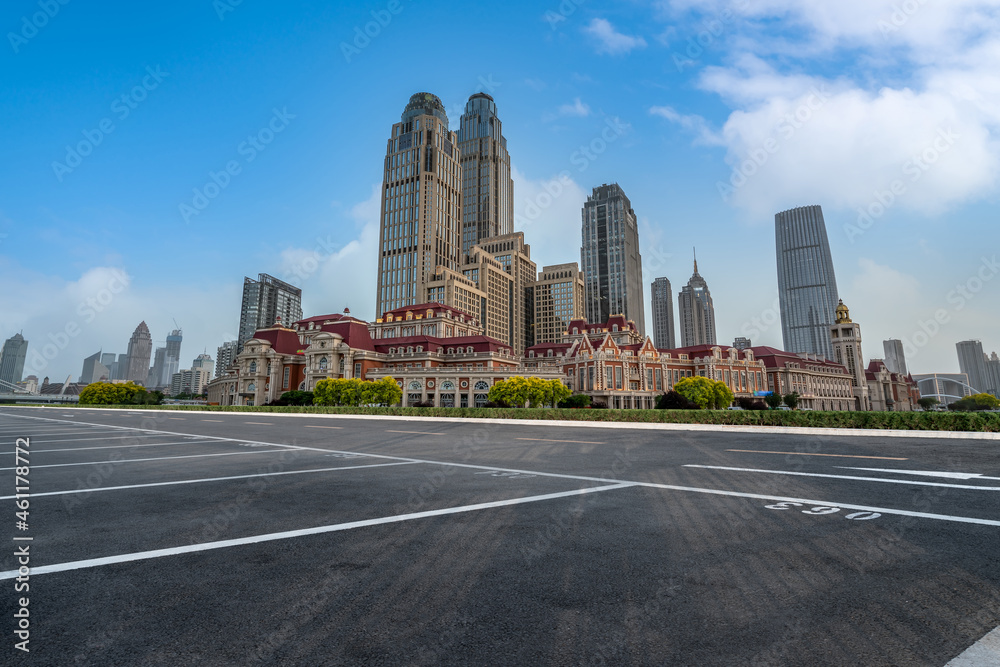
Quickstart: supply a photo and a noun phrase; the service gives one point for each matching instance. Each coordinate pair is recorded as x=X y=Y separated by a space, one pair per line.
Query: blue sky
x=719 y=113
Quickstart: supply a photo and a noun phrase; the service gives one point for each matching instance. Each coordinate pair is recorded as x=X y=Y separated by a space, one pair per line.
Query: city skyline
x=310 y=220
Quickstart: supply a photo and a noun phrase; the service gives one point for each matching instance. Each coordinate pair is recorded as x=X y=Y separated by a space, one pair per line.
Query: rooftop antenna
x=695 y=259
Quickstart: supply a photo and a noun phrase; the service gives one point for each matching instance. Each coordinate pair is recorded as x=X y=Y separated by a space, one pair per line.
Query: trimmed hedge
x=906 y=421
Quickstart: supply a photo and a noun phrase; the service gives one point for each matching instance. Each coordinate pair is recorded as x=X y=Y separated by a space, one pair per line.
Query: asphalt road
x=174 y=538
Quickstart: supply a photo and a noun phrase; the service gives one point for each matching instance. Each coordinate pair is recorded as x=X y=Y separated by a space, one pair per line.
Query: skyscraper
x=612 y=264
x=663 y=314
x=172 y=357
x=845 y=335
x=264 y=301
x=156 y=372
x=12 y=356
x=696 y=312
x=807 y=286
x=993 y=373
x=487 y=188
x=94 y=370
x=895 y=358
x=421 y=218
x=140 y=349
x=558 y=294
x=225 y=356
x=972 y=362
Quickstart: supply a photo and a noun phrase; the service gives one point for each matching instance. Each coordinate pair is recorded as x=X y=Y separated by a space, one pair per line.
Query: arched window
x=614 y=328
x=253 y=368
x=420 y=348
x=251 y=387
x=482 y=386
x=323 y=363
x=415 y=385
x=469 y=350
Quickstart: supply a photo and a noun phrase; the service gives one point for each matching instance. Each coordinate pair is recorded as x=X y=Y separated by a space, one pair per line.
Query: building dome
x=843 y=314
x=425 y=104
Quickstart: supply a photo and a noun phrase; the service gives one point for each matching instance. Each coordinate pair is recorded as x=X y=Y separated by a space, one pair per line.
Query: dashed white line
x=416 y=432
x=576 y=442
x=908 y=482
x=161 y=458
x=336 y=427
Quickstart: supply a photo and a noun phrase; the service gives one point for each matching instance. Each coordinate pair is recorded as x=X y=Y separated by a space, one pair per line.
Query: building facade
x=696 y=312
x=845 y=337
x=140 y=349
x=663 y=314
x=264 y=301
x=612 y=263
x=946 y=388
x=978 y=367
x=807 y=285
x=12 y=356
x=190 y=381
x=94 y=370
x=820 y=383
x=559 y=299
x=421 y=219
x=487 y=187
x=225 y=356
x=514 y=257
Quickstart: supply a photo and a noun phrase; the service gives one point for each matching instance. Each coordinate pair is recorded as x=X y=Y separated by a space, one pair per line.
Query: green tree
x=773 y=400
x=698 y=390
x=928 y=403
x=355 y=392
x=723 y=395
x=110 y=393
x=575 y=401
x=976 y=402
x=529 y=391
x=792 y=400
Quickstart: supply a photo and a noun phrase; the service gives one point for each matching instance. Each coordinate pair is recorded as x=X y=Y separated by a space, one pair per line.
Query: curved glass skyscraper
x=487 y=187
x=807 y=285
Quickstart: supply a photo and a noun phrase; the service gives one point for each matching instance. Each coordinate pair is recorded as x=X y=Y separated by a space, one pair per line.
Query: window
x=286 y=377
x=253 y=368
x=357 y=369
x=323 y=364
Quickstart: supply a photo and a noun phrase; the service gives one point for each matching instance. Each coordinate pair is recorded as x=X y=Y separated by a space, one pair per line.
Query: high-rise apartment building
x=172 y=359
x=696 y=312
x=94 y=370
x=487 y=187
x=807 y=285
x=514 y=256
x=559 y=299
x=264 y=301
x=421 y=218
x=973 y=362
x=156 y=372
x=225 y=356
x=663 y=314
x=612 y=264
x=140 y=349
x=845 y=335
x=895 y=357
x=993 y=373
x=12 y=356
x=203 y=362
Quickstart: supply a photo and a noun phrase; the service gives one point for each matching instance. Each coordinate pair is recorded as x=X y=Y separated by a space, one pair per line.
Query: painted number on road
x=815 y=511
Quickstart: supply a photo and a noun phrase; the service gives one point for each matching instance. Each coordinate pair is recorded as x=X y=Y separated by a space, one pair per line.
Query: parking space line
x=106 y=437
x=161 y=458
x=180 y=419
x=259 y=423
x=217 y=421
x=153 y=444
x=416 y=432
x=318 y=530
x=837 y=456
x=211 y=479
x=575 y=442
x=336 y=427
x=909 y=482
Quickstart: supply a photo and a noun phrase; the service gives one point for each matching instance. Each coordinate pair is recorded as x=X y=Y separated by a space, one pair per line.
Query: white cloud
x=693 y=123
x=577 y=108
x=548 y=212
x=610 y=41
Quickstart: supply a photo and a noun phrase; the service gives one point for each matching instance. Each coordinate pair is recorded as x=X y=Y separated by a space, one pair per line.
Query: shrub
x=672 y=400
x=773 y=400
x=355 y=392
x=792 y=400
x=576 y=401
x=531 y=391
x=111 y=393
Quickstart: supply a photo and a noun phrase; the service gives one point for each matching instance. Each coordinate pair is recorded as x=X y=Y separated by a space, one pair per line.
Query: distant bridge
x=37 y=398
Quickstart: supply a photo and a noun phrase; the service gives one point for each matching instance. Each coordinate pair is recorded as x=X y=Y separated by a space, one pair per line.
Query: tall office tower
x=845 y=338
x=203 y=362
x=559 y=299
x=696 y=312
x=225 y=356
x=172 y=360
x=663 y=315
x=140 y=349
x=264 y=301
x=972 y=362
x=94 y=370
x=156 y=372
x=420 y=223
x=895 y=358
x=487 y=188
x=993 y=371
x=12 y=356
x=514 y=256
x=612 y=265
x=807 y=285
x=108 y=359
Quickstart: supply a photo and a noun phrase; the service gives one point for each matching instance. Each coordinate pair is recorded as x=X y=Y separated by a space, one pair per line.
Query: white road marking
x=87 y=449
x=928 y=473
x=161 y=458
x=686 y=489
x=211 y=479
x=337 y=427
x=908 y=482
x=414 y=432
x=106 y=437
x=217 y=421
x=984 y=653
x=259 y=423
x=576 y=442
x=69 y=431
x=319 y=530
x=836 y=456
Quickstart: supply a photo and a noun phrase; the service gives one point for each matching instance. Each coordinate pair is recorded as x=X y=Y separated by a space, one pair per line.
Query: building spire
x=695 y=260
